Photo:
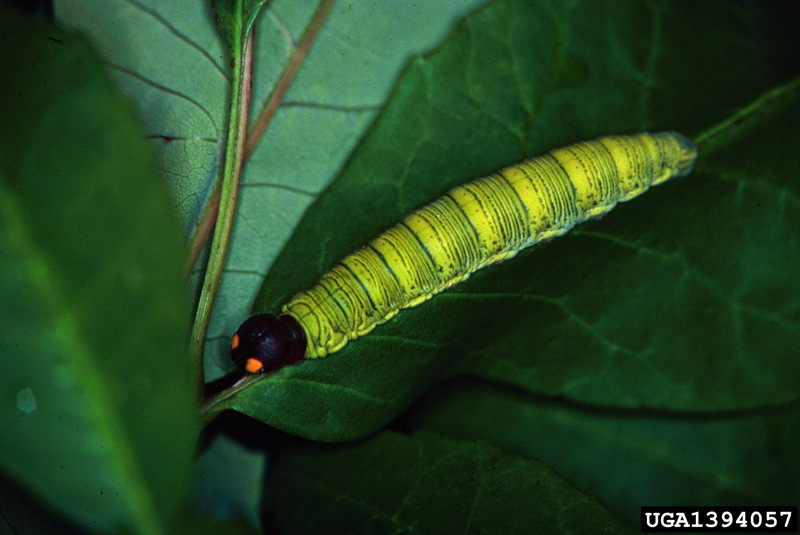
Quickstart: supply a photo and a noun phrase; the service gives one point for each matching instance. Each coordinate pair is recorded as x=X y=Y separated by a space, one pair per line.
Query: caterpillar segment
x=470 y=227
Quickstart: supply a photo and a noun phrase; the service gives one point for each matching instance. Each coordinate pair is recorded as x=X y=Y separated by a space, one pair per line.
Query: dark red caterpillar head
x=265 y=343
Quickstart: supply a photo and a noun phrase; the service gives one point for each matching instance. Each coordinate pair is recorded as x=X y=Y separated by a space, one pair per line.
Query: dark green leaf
x=230 y=478
x=98 y=394
x=630 y=458
x=22 y=514
x=425 y=484
x=682 y=299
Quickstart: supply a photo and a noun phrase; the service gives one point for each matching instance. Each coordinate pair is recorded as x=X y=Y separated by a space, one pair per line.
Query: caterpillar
x=470 y=227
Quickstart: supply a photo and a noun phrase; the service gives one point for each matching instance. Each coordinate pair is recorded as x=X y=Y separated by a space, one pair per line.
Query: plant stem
x=237 y=128
x=298 y=56
x=737 y=123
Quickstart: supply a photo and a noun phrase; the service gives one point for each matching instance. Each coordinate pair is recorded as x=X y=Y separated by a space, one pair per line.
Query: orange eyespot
x=254 y=365
x=235 y=341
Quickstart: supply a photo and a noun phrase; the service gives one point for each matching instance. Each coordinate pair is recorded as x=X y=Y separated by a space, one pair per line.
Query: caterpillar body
x=470 y=227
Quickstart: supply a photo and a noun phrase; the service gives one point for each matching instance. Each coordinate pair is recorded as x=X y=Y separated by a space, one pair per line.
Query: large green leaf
x=168 y=57
x=437 y=485
x=630 y=458
x=682 y=300
x=98 y=394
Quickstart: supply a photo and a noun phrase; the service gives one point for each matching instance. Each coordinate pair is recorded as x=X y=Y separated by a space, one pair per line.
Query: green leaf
x=230 y=478
x=683 y=299
x=98 y=395
x=425 y=483
x=169 y=58
x=628 y=458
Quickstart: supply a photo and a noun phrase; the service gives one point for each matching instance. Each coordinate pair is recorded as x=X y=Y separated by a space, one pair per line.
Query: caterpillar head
x=265 y=343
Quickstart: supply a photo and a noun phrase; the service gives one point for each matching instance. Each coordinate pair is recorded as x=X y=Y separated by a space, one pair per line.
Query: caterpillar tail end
x=688 y=154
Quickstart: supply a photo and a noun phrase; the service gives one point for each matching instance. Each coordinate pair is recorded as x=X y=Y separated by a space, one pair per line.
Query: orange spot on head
x=253 y=365
x=235 y=341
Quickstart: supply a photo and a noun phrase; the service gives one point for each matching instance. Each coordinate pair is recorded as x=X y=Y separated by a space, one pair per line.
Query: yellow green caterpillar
x=470 y=227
